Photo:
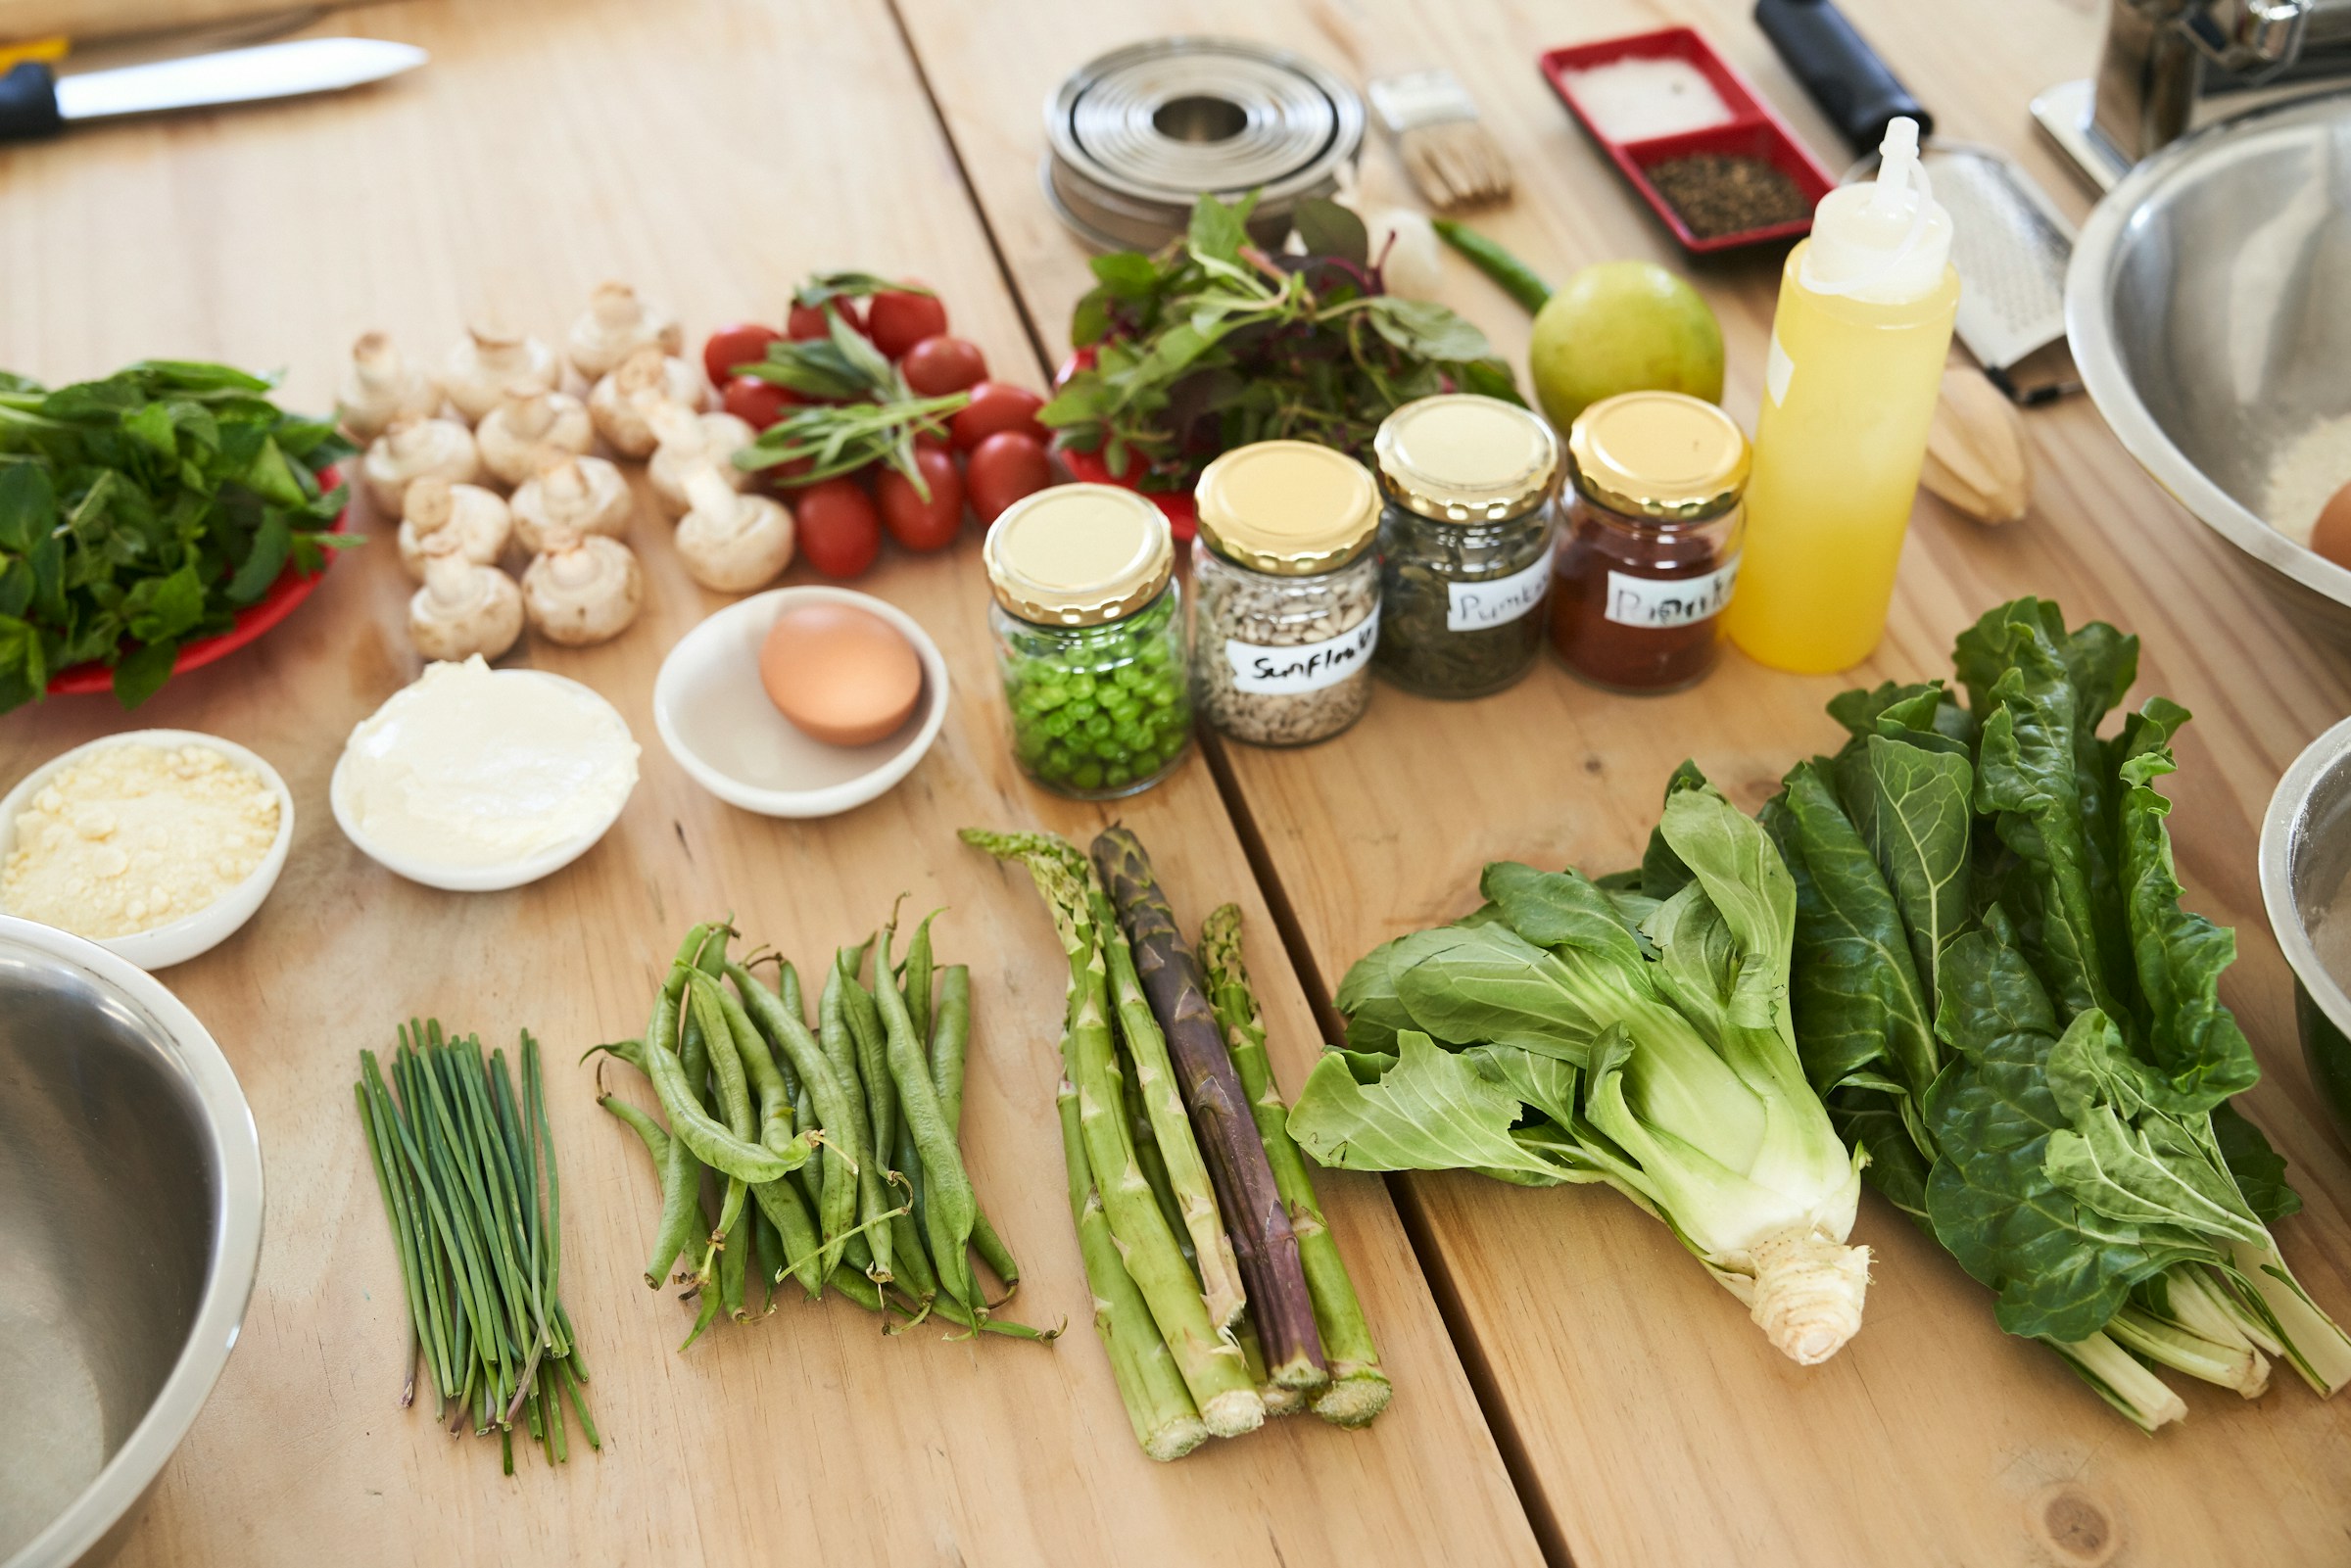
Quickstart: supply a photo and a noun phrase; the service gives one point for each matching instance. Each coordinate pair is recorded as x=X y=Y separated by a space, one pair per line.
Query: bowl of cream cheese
x=157 y=844
x=476 y=780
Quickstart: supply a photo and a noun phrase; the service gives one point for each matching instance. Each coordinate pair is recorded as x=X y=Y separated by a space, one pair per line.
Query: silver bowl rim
x=2287 y=805
x=235 y=1252
x=2089 y=333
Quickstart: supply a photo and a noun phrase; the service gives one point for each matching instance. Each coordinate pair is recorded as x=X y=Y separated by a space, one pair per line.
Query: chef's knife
x=1841 y=72
x=34 y=101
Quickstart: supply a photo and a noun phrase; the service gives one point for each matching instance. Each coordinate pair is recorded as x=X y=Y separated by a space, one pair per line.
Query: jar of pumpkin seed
x=1464 y=543
x=1287 y=591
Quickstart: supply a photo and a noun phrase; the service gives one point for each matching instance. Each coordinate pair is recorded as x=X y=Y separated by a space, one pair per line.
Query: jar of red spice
x=1651 y=547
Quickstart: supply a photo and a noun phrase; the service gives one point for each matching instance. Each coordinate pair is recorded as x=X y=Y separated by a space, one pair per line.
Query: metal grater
x=2010 y=245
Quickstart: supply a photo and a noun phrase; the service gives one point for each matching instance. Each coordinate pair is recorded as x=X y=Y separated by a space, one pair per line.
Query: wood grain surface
x=1648 y=1423
x=711 y=152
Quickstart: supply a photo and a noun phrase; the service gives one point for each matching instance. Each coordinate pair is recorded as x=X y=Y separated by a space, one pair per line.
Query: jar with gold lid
x=1089 y=635
x=1649 y=552
x=1286 y=590
x=1464 y=543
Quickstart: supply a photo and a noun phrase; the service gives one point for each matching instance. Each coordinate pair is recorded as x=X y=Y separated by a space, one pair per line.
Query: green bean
x=909 y=1231
x=873 y=1060
x=656 y=1142
x=765 y=1265
x=951 y=1204
x=832 y=1029
x=995 y=1253
x=760 y=1068
x=732 y=1100
x=813 y=1177
x=951 y=1036
x=832 y=1099
x=787 y=985
x=711 y=1141
x=681 y=1170
x=797 y=1246
x=914 y=980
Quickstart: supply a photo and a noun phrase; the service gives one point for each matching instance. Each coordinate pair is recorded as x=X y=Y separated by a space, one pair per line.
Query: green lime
x=1622 y=326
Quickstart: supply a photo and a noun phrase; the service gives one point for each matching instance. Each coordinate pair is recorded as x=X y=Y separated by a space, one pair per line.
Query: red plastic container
x=274 y=605
x=1752 y=131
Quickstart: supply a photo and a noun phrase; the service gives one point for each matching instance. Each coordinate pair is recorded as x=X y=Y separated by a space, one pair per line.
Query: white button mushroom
x=617 y=322
x=618 y=402
x=582 y=589
x=472 y=516
x=586 y=495
x=410 y=448
x=379 y=386
x=485 y=364
x=688 y=438
x=530 y=429
x=464 y=607
x=729 y=540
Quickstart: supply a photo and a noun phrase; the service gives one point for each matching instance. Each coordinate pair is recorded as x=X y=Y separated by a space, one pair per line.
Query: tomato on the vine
x=807 y=321
x=1003 y=468
x=898 y=319
x=916 y=523
x=744 y=343
x=838 y=532
x=940 y=365
x=756 y=403
x=996 y=406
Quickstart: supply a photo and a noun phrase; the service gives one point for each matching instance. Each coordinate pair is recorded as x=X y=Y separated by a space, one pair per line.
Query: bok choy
x=2004 y=1003
x=1568 y=1032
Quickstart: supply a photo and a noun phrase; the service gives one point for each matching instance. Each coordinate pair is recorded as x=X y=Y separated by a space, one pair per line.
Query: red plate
x=291 y=588
x=1181 y=512
x=1752 y=131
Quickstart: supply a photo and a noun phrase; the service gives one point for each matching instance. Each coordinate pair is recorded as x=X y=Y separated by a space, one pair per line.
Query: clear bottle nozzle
x=1897 y=159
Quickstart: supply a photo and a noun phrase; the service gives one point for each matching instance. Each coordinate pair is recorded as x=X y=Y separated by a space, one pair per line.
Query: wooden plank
x=711 y=152
x=1656 y=1425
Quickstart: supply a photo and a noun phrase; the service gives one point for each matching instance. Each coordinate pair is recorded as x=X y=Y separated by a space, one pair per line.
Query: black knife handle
x=28 y=103
x=1839 y=70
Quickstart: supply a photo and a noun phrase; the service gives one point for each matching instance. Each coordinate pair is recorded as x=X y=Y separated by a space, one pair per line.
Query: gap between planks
x=1549 y=1539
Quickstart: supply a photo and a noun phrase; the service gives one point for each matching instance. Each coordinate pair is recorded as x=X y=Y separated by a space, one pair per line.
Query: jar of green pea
x=1089 y=630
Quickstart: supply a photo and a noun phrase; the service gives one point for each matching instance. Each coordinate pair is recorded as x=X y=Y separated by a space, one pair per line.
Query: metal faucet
x=2164 y=61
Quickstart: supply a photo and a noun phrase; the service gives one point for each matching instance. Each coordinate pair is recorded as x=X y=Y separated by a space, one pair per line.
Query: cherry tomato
x=758 y=403
x=938 y=366
x=744 y=343
x=838 y=532
x=996 y=406
x=933 y=440
x=808 y=320
x=896 y=320
x=1003 y=468
x=912 y=521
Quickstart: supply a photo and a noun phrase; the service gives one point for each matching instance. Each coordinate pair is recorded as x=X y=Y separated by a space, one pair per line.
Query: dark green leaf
x=263 y=561
x=142 y=672
x=1327 y=228
x=27 y=507
x=2259 y=1170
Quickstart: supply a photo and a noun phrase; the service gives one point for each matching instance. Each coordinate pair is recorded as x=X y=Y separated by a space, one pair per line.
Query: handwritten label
x=1263 y=671
x=1498 y=602
x=1661 y=603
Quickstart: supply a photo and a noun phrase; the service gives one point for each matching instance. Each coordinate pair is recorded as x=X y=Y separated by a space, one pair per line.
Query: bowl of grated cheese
x=157 y=844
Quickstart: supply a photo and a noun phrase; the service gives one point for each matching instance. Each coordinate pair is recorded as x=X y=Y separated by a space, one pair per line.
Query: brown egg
x=841 y=675
x=2331 y=535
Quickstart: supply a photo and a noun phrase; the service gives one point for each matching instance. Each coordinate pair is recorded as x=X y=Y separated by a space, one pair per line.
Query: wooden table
x=713 y=152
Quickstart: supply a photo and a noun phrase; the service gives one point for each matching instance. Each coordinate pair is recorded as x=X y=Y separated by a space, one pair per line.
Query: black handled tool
x=37 y=102
x=1839 y=70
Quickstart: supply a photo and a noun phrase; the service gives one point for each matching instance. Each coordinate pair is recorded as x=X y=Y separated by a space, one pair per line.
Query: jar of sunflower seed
x=1287 y=590
x=1466 y=542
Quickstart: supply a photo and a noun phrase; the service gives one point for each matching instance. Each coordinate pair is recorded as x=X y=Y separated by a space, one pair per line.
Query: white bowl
x=175 y=941
x=715 y=718
x=469 y=879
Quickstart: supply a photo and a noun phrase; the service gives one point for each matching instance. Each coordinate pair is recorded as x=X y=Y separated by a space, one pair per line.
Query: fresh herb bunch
x=1213 y=344
x=867 y=414
x=143 y=510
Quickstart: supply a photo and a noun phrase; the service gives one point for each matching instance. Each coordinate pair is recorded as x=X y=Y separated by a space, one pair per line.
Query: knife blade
x=35 y=102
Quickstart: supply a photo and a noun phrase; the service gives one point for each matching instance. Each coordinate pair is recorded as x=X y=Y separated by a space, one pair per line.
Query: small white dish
x=468 y=878
x=715 y=718
x=173 y=941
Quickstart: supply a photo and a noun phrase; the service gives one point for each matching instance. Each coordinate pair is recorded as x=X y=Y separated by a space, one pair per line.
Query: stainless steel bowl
x=2209 y=309
x=131 y=1226
x=2305 y=860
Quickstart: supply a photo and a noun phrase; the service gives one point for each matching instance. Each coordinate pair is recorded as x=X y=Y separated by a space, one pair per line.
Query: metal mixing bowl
x=2305 y=859
x=2209 y=309
x=130 y=1222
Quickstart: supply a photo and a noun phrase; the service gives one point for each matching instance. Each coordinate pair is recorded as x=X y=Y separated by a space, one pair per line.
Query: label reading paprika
x=1663 y=602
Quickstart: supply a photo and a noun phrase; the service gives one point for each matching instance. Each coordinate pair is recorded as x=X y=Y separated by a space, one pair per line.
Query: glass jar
x=1650 y=550
x=1464 y=543
x=1287 y=591
x=1090 y=633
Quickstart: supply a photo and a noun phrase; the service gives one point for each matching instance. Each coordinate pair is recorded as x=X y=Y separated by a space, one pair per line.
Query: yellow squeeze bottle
x=1858 y=347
